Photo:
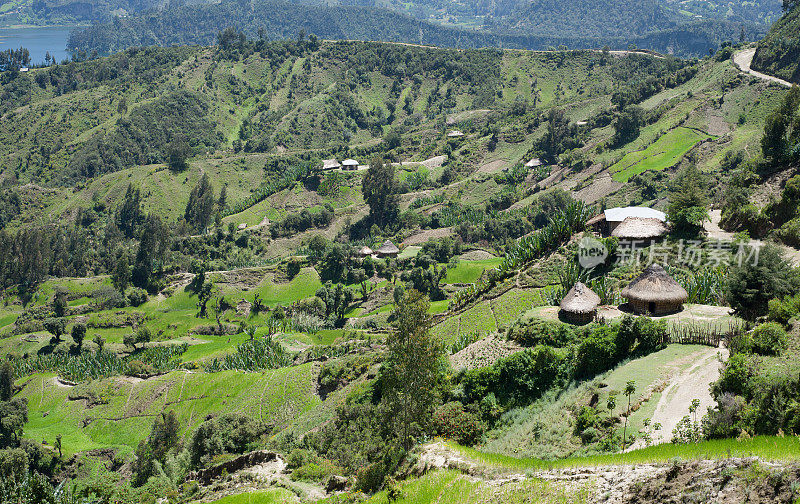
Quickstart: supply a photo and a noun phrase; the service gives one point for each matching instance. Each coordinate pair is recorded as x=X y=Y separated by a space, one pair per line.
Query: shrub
x=228 y=433
x=293 y=267
x=782 y=311
x=596 y=353
x=751 y=286
x=137 y=296
x=769 y=339
x=531 y=331
x=452 y=421
x=519 y=378
x=586 y=424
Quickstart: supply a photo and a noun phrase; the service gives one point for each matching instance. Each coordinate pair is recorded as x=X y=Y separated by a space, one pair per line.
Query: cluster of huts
x=653 y=292
x=388 y=249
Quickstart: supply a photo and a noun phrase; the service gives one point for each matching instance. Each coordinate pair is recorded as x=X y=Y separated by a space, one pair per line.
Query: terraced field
x=666 y=152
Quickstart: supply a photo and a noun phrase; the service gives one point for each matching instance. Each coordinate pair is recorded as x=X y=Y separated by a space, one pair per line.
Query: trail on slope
x=716 y=233
x=744 y=59
x=693 y=383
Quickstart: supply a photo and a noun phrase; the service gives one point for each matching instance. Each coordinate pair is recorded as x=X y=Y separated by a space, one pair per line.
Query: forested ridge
x=199 y=24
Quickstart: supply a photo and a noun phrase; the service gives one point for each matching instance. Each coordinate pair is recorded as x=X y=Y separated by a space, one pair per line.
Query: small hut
x=330 y=164
x=655 y=292
x=388 y=249
x=640 y=228
x=365 y=251
x=455 y=134
x=580 y=304
x=350 y=164
x=534 y=163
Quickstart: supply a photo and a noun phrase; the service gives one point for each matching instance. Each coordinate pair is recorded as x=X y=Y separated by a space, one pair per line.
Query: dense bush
x=227 y=433
x=769 y=339
x=597 y=353
x=453 y=421
x=519 y=378
x=531 y=330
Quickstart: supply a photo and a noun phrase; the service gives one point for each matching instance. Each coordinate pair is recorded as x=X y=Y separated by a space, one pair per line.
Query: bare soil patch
x=476 y=255
x=427 y=235
x=484 y=353
x=493 y=167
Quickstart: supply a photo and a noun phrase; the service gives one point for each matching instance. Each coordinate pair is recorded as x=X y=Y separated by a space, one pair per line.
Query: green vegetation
x=173 y=302
x=779 y=52
x=666 y=152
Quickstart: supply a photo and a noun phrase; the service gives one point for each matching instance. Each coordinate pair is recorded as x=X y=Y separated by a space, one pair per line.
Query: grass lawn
x=667 y=151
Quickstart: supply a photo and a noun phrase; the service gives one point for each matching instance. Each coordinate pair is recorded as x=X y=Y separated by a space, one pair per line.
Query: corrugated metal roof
x=620 y=214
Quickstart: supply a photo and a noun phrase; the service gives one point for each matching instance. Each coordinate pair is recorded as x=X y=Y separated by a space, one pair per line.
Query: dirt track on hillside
x=744 y=59
x=694 y=383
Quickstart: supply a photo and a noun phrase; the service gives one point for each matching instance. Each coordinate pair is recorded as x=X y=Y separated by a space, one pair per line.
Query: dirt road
x=744 y=59
x=694 y=383
x=717 y=233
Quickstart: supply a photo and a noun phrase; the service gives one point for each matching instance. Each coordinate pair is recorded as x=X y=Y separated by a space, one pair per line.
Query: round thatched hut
x=640 y=228
x=580 y=304
x=365 y=251
x=655 y=292
x=388 y=249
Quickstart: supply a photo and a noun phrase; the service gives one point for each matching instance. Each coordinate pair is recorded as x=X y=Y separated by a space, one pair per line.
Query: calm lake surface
x=38 y=41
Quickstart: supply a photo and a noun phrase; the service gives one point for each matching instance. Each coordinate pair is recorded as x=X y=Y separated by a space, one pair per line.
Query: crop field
x=276 y=496
x=111 y=412
x=667 y=151
x=470 y=271
x=452 y=486
x=767 y=448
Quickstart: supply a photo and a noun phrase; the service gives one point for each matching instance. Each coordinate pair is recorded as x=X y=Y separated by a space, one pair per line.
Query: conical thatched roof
x=640 y=228
x=388 y=248
x=365 y=251
x=330 y=164
x=580 y=299
x=653 y=285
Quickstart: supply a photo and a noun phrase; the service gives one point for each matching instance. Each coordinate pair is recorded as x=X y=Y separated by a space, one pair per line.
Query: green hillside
x=778 y=53
x=190 y=313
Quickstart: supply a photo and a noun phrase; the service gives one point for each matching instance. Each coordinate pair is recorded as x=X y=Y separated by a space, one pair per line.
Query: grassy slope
x=551 y=418
x=452 y=486
x=277 y=397
x=768 y=448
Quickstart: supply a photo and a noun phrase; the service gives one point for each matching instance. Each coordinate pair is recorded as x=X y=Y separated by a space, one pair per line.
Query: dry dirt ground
x=425 y=236
x=484 y=352
x=716 y=233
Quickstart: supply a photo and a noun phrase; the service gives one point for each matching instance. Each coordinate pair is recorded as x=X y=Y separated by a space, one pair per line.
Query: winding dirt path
x=743 y=60
x=694 y=383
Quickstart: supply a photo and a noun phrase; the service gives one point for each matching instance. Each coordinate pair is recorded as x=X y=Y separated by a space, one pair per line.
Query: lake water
x=38 y=40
